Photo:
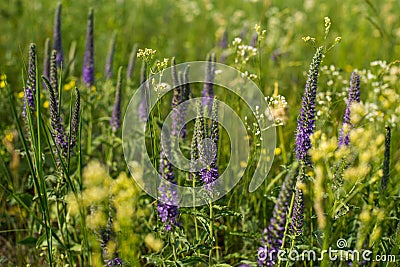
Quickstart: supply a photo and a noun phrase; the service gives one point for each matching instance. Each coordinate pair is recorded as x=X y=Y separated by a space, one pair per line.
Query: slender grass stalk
x=282 y=142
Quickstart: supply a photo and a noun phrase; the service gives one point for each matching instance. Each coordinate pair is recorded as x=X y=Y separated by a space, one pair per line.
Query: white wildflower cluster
x=248 y=75
x=162 y=65
x=257 y=114
x=375 y=114
x=334 y=76
x=260 y=32
x=327 y=24
x=254 y=127
x=380 y=85
x=243 y=52
x=278 y=107
x=308 y=39
x=184 y=5
x=325 y=103
x=160 y=86
x=380 y=63
x=147 y=54
x=237 y=41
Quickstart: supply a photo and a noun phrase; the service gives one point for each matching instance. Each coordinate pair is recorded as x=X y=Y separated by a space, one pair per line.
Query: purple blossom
x=208 y=151
x=298 y=213
x=116 y=114
x=254 y=40
x=273 y=236
x=198 y=135
x=75 y=120
x=186 y=95
x=181 y=94
x=168 y=213
x=131 y=63
x=224 y=39
x=30 y=88
x=57 y=36
x=209 y=175
x=386 y=160
x=57 y=129
x=224 y=45
x=208 y=87
x=142 y=111
x=176 y=99
x=53 y=73
x=353 y=97
x=167 y=207
x=46 y=60
x=114 y=262
x=108 y=70
x=88 y=61
x=306 y=120
x=105 y=236
x=243 y=33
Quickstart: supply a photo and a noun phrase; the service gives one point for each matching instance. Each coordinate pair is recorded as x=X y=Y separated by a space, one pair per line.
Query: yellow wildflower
x=69 y=85
x=153 y=243
x=9 y=137
x=243 y=164
x=94 y=174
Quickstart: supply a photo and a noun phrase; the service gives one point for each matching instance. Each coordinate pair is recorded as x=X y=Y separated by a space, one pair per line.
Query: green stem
x=282 y=143
x=194 y=210
x=89 y=131
x=172 y=242
x=288 y=217
x=211 y=232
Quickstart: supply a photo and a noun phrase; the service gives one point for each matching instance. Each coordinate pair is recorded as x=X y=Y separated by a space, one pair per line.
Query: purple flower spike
x=46 y=60
x=88 y=61
x=224 y=39
x=57 y=129
x=273 y=235
x=30 y=89
x=254 y=40
x=198 y=135
x=57 y=36
x=108 y=70
x=176 y=100
x=353 y=97
x=208 y=87
x=116 y=115
x=75 y=120
x=179 y=107
x=131 y=63
x=53 y=73
x=116 y=262
x=306 y=120
x=386 y=160
x=167 y=207
x=186 y=94
x=142 y=111
x=208 y=151
x=298 y=213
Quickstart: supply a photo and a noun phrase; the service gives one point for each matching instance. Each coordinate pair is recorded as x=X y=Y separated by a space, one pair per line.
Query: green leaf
x=41 y=240
x=192 y=260
x=29 y=241
x=26 y=198
x=76 y=248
